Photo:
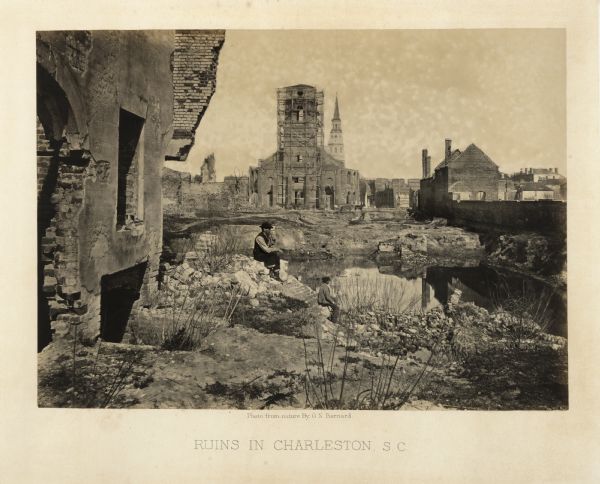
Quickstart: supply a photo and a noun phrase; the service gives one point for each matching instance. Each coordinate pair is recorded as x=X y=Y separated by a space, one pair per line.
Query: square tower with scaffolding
x=301 y=173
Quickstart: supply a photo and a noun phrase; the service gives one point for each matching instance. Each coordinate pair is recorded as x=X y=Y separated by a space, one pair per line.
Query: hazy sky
x=399 y=91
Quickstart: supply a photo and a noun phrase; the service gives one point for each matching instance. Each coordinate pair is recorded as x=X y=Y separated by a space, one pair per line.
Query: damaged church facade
x=111 y=106
x=303 y=172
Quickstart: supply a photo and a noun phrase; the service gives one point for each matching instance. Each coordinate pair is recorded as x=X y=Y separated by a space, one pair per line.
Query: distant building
x=387 y=192
x=302 y=173
x=536 y=175
x=534 y=191
x=402 y=197
x=549 y=177
x=366 y=193
x=414 y=183
x=466 y=175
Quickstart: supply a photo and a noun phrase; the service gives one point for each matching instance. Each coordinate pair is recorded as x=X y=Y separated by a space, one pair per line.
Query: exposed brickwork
x=84 y=81
x=194 y=68
x=45 y=154
x=183 y=195
x=467 y=175
x=386 y=193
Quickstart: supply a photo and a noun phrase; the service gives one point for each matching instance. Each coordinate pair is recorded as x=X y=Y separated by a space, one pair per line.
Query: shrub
x=189 y=323
x=220 y=249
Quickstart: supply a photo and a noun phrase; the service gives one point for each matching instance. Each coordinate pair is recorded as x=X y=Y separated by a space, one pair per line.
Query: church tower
x=335 y=147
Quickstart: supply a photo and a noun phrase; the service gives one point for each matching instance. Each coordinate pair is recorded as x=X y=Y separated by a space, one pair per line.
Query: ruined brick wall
x=85 y=80
x=546 y=216
x=102 y=97
x=433 y=194
x=194 y=66
x=174 y=185
x=184 y=197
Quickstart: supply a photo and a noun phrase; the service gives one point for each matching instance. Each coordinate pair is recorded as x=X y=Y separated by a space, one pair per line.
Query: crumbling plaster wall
x=99 y=73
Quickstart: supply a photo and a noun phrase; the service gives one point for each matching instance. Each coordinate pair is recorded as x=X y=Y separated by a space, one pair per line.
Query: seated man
x=265 y=250
x=326 y=299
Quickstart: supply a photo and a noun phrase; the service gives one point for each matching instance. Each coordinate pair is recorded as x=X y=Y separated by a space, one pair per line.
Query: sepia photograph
x=261 y=241
x=338 y=220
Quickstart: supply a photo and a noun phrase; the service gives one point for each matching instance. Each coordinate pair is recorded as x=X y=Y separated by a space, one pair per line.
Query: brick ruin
x=185 y=195
x=461 y=175
x=386 y=192
x=110 y=107
x=303 y=173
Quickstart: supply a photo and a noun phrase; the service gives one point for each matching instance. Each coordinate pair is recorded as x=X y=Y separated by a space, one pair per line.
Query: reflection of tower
x=425 y=294
x=335 y=146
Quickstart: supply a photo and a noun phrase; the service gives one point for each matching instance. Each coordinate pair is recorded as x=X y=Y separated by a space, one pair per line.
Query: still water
x=482 y=285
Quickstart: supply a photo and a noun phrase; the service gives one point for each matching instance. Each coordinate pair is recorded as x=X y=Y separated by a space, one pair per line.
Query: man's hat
x=266 y=225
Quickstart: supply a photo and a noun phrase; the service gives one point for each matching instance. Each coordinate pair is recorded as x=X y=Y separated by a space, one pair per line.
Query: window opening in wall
x=130 y=190
x=480 y=195
x=299 y=158
x=300 y=114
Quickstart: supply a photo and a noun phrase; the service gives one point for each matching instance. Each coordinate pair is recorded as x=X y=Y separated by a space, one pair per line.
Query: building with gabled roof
x=461 y=175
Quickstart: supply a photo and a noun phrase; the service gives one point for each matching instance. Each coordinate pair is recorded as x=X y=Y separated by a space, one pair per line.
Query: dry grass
x=185 y=321
x=367 y=292
x=220 y=249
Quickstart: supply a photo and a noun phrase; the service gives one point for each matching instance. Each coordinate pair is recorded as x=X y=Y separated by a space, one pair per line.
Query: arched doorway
x=329 y=197
x=57 y=233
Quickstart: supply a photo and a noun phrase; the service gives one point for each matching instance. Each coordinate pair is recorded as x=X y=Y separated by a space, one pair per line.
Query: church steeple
x=335 y=147
x=336 y=113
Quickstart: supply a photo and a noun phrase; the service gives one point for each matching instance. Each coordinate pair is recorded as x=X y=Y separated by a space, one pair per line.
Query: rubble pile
x=462 y=328
x=243 y=275
x=534 y=253
x=384 y=331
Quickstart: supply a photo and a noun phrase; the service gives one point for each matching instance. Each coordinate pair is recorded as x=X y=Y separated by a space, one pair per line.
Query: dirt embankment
x=325 y=235
x=541 y=256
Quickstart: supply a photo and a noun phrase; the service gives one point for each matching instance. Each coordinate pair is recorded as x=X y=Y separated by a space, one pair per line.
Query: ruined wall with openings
x=105 y=109
x=186 y=196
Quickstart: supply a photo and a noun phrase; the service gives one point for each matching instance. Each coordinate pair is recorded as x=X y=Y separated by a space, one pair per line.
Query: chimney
x=556 y=170
x=448 y=149
x=425 y=160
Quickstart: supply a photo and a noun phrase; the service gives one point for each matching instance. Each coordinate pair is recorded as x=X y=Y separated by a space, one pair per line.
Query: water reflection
x=481 y=285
